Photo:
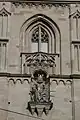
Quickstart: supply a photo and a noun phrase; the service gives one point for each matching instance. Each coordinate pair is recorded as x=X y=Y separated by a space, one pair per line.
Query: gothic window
x=4 y=15
x=76 y=55
x=39 y=40
x=75 y=17
x=3 y=54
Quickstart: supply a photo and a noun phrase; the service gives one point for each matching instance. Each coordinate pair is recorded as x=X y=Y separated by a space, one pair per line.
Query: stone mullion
x=39 y=42
x=26 y=68
x=2 y=26
x=3 y=56
x=22 y=63
x=77 y=28
x=75 y=57
x=5 y=50
x=7 y=27
x=0 y=55
x=78 y=56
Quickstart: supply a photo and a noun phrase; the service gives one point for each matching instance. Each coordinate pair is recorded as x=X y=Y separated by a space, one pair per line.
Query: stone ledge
x=4 y=39
x=73 y=76
x=76 y=42
x=49 y=1
x=4 y=74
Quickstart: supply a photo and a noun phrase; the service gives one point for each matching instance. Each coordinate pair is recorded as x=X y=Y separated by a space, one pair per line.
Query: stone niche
x=39 y=93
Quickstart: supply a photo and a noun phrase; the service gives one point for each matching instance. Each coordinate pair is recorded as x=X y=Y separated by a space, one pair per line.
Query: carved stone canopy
x=40 y=60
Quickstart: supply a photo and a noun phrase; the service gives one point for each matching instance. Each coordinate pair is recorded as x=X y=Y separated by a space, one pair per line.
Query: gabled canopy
x=5 y=12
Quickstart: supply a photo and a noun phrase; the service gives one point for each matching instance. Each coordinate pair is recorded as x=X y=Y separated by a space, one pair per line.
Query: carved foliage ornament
x=37 y=4
x=40 y=60
x=44 y=35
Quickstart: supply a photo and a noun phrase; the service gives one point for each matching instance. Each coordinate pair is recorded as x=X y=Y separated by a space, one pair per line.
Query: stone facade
x=39 y=60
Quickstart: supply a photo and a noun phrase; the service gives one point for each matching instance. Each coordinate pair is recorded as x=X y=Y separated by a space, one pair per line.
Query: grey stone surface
x=14 y=89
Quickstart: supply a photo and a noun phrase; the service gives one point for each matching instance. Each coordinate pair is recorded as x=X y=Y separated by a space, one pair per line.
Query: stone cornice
x=44 y=1
x=43 y=4
x=76 y=42
x=4 y=40
x=5 y=74
x=73 y=76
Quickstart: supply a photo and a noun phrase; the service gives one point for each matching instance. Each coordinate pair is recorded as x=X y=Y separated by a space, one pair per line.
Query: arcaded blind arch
x=4 y=20
x=75 y=25
x=48 y=25
x=4 y=29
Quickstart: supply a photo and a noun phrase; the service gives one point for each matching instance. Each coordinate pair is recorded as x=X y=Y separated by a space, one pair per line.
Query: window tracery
x=41 y=37
x=36 y=35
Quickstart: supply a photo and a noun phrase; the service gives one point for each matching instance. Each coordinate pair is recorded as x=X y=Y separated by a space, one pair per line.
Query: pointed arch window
x=4 y=15
x=4 y=29
x=75 y=17
x=40 y=39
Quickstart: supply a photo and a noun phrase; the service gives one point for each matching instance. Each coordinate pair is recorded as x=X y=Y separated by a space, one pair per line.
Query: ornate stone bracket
x=39 y=108
x=39 y=60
